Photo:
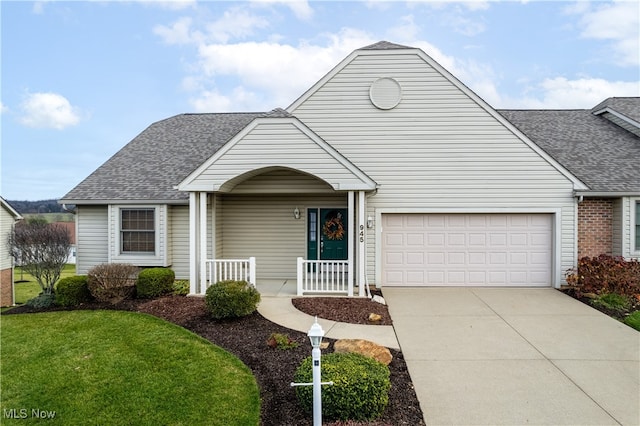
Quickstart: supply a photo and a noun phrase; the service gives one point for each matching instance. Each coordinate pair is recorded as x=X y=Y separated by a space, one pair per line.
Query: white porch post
x=361 y=244
x=193 y=243
x=351 y=249
x=203 y=241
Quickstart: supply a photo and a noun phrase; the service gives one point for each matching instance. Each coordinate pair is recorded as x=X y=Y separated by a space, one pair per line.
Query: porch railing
x=231 y=269
x=323 y=276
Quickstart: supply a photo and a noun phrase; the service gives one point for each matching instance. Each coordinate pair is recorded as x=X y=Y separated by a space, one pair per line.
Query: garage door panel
x=467 y=249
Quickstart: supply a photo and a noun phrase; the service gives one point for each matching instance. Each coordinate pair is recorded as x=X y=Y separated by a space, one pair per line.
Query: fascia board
x=619 y=115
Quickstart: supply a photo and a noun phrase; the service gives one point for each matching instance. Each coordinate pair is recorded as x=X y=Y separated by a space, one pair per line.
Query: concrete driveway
x=506 y=356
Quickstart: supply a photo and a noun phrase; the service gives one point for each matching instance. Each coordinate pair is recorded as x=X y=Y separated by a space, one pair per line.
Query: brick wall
x=6 y=287
x=595 y=227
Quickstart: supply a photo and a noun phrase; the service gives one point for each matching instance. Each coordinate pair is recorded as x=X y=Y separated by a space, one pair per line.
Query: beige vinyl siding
x=438 y=149
x=273 y=144
x=282 y=181
x=179 y=219
x=93 y=242
x=264 y=227
x=6 y=226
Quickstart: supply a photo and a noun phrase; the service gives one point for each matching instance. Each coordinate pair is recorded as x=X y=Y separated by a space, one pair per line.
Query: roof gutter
x=606 y=194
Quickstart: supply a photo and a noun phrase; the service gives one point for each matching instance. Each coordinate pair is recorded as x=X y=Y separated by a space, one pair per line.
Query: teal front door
x=327 y=234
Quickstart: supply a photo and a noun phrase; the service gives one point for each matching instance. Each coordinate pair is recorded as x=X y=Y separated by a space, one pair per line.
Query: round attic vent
x=385 y=93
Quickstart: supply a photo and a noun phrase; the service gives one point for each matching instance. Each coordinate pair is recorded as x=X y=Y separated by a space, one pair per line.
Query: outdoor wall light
x=369 y=222
x=296 y=213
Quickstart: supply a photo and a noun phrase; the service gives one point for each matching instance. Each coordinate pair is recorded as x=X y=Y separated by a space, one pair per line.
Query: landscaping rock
x=364 y=347
x=374 y=317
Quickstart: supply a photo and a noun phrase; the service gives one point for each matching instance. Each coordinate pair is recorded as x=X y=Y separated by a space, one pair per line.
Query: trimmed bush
x=360 y=388
x=231 y=299
x=154 y=282
x=180 y=287
x=41 y=301
x=112 y=282
x=72 y=291
x=605 y=274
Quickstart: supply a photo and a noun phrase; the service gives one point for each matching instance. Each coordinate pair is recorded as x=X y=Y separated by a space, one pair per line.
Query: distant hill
x=42 y=206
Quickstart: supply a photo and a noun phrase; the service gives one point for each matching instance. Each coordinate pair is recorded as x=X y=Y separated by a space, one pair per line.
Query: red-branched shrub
x=112 y=282
x=605 y=274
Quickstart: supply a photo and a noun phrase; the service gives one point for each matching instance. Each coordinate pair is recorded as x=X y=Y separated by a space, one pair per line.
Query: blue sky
x=81 y=79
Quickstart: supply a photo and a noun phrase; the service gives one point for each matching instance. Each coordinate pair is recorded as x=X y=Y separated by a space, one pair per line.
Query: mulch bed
x=273 y=368
x=343 y=309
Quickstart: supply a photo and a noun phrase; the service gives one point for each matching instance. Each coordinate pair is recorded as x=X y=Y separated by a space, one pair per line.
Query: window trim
x=161 y=256
x=121 y=231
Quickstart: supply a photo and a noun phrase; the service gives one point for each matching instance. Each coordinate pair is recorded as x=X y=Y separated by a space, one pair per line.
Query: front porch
x=312 y=277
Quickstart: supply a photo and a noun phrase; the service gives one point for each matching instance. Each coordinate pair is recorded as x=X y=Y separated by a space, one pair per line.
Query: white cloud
x=279 y=72
x=169 y=4
x=178 y=33
x=618 y=22
x=562 y=93
x=300 y=8
x=3 y=108
x=236 y=23
x=48 y=110
x=406 y=30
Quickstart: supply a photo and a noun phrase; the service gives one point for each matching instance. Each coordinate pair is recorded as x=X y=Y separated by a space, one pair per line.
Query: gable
x=398 y=115
x=271 y=143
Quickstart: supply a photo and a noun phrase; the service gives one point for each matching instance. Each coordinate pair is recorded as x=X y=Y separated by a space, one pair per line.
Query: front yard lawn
x=114 y=367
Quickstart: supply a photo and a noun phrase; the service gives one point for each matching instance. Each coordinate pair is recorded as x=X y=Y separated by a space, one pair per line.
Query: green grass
x=633 y=320
x=120 y=368
x=26 y=286
x=613 y=301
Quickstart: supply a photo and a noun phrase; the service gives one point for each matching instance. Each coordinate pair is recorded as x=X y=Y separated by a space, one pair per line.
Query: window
x=137 y=231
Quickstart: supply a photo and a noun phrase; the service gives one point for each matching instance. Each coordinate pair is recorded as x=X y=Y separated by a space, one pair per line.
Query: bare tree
x=42 y=249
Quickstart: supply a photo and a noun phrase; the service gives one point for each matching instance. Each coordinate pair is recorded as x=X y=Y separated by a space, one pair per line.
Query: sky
x=80 y=79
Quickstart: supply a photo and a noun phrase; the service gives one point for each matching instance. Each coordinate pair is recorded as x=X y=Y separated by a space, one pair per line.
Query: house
x=388 y=171
x=8 y=218
x=71 y=230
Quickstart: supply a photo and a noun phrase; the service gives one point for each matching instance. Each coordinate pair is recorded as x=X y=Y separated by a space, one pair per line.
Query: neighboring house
x=601 y=147
x=388 y=171
x=71 y=230
x=8 y=218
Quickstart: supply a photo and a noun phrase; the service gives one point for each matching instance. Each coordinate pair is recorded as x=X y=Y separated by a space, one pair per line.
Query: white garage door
x=466 y=249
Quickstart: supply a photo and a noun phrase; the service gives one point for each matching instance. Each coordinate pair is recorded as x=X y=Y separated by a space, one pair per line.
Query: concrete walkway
x=502 y=356
x=276 y=306
x=498 y=356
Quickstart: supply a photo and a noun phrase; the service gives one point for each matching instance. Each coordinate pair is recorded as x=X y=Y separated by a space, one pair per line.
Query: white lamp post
x=315 y=336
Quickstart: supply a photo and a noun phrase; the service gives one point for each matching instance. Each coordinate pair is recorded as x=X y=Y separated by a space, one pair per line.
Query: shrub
x=633 y=320
x=112 y=282
x=72 y=291
x=605 y=274
x=41 y=301
x=180 y=287
x=281 y=341
x=360 y=388
x=612 y=301
x=231 y=299
x=154 y=282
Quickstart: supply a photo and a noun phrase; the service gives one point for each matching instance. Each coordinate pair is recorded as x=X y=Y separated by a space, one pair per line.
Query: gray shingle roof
x=602 y=155
x=385 y=45
x=160 y=157
x=629 y=107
